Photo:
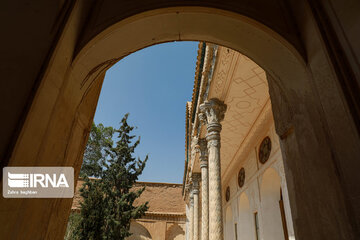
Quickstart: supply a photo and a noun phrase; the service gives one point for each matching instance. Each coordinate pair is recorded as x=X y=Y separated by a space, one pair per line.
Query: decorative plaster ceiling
x=242 y=85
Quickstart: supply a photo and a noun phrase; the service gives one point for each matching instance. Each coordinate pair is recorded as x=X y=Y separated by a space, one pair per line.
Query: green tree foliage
x=95 y=155
x=72 y=226
x=108 y=201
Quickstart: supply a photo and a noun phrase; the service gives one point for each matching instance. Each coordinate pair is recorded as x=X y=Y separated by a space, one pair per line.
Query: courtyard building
x=292 y=113
x=165 y=218
x=234 y=183
x=231 y=98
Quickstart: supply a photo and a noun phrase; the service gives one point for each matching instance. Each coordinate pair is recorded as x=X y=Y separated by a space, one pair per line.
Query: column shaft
x=196 y=216
x=204 y=189
x=195 y=182
x=215 y=193
x=191 y=221
x=212 y=112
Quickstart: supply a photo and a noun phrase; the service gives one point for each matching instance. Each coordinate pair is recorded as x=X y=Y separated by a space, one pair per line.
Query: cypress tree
x=108 y=201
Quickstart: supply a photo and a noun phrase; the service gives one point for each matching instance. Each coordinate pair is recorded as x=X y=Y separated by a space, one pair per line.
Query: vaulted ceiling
x=242 y=85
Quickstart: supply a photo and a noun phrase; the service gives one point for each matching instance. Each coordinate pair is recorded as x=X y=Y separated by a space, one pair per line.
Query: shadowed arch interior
x=139 y=232
x=175 y=232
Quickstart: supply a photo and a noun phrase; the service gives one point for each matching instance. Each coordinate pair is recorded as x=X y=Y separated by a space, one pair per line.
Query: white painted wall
x=272 y=228
x=246 y=229
x=229 y=224
x=261 y=193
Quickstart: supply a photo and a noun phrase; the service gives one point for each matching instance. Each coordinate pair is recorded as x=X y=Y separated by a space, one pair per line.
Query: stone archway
x=307 y=122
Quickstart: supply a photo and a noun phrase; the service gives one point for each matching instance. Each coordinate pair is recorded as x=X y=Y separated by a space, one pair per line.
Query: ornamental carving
x=202 y=146
x=213 y=143
x=241 y=177
x=264 y=150
x=227 y=194
x=212 y=111
x=202 y=118
x=195 y=178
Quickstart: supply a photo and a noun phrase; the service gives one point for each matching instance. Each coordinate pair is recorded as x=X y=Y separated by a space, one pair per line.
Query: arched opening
x=139 y=232
x=229 y=224
x=58 y=126
x=270 y=210
x=246 y=221
x=175 y=232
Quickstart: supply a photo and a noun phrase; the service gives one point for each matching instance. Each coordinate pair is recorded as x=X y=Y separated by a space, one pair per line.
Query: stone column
x=191 y=220
x=212 y=113
x=202 y=143
x=195 y=189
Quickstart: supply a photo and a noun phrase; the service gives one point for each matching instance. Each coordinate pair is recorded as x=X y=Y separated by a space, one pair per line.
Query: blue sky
x=153 y=85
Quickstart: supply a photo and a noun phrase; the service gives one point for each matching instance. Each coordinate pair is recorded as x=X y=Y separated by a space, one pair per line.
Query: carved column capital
x=202 y=146
x=212 y=111
x=195 y=182
x=187 y=187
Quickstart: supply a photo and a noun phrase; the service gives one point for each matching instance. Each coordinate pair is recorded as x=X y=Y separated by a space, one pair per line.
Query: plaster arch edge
x=246 y=35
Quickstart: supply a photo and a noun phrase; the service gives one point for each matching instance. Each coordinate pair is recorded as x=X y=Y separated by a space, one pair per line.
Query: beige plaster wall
x=160 y=229
x=139 y=232
x=162 y=197
x=175 y=231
